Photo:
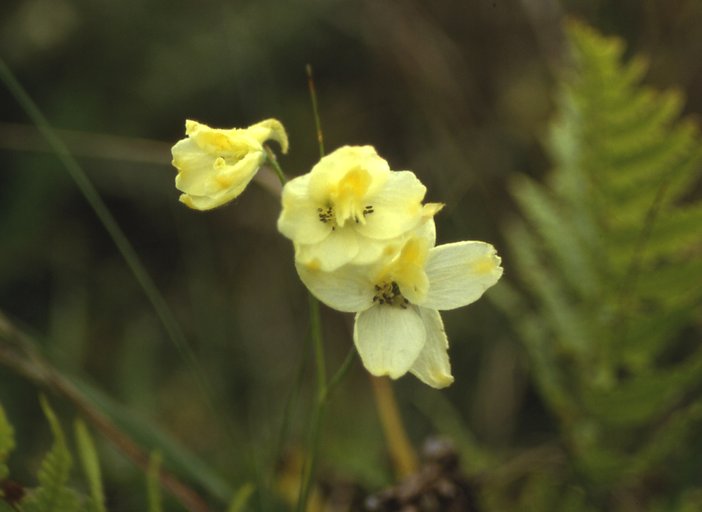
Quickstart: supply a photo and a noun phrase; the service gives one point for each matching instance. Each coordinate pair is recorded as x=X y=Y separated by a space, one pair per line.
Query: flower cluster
x=364 y=242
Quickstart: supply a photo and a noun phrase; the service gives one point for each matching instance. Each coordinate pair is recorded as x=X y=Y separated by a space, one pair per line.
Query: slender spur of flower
x=398 y=327
x=215 y=165
x=347 y=208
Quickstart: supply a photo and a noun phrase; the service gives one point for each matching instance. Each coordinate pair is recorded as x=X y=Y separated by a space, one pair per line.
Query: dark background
x=458 y=92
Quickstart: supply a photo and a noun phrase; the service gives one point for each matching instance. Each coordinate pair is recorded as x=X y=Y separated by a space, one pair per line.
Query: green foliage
x=608 y=256
x=241 y=498
x=91 y=465
x=53 y=495
x=7 y=443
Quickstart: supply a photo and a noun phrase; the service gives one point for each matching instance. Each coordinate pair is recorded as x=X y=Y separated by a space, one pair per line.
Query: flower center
x=348 y=196
x=405 y=271
x=388 y=292
x=327 y=215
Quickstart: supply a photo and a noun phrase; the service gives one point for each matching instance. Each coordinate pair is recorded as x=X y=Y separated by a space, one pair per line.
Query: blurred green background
x=459 y=92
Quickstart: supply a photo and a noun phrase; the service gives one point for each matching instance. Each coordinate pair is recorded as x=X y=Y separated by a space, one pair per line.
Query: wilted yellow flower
x=348 y=207
x=398 y=327
x=215 y=165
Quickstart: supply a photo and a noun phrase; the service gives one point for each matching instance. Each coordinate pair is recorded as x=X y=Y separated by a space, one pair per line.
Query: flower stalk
x=403 y=456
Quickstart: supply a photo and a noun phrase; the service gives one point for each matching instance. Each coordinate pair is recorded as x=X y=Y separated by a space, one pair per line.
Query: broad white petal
x=347 y=289
x=432 y=366
x=336 y=250
x=299 y=218
x=389 y=339
x=459 y=273
x=396 y=206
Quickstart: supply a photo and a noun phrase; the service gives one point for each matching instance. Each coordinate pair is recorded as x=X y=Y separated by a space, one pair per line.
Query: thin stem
x=320 y=403
x=289 y=403
x=309 y=467
x=323 y=390
x=341 y=372
x=318 y=415
x=318 y=343
x=125 y=248
x=273 y=160
x=401 y=452
x=315 y=110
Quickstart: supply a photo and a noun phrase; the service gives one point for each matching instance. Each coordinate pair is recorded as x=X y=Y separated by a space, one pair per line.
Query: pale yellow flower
x=348 y=207
x=398 y=327
x=215 y=165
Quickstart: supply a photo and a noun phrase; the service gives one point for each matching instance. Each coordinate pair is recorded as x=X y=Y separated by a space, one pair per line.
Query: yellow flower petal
x=215 y=165
x=341 y=193
x=270 y=129
x=397 y=207
x=207 y=189
x=432 y=366
x=406 y=269
x=348 y=173
x=336 y=250
x=299 y=218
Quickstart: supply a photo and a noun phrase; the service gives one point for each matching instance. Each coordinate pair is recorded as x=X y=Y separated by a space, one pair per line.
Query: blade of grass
x=163 y=311
x=153 y=491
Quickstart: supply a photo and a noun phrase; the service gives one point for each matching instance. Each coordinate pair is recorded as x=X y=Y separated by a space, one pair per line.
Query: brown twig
x=27 y=138
x=18 y=353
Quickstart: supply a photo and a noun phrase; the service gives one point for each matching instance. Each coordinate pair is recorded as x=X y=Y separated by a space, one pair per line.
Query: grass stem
x=125 y=248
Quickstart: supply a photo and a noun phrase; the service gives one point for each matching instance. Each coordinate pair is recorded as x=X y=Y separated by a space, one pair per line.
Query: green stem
x=318 y=414
x=273 y=160
x=320 y=403
x=318 y=343
x=341 y=372
x=316 y=332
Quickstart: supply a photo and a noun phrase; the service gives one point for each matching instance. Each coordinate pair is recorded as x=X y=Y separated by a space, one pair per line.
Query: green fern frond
x=241 y=498
x=52 y=495
x=91 y=465
x=609 y=256
x=7 y=443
